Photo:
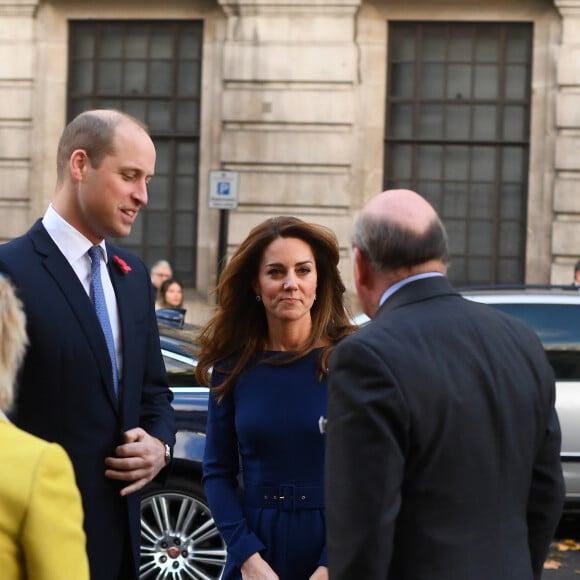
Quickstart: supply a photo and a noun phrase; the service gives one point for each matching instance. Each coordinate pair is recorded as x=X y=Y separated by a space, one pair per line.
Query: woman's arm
x=220 y=479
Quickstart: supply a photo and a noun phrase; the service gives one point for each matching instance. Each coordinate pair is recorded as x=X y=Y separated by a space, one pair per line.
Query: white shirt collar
x=69 y=240
x=392 y=289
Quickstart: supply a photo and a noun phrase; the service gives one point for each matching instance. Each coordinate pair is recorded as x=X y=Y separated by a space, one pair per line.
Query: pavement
x=563 y=562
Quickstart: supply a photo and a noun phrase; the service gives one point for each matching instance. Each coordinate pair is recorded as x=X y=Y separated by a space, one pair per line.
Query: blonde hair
x=13 y=340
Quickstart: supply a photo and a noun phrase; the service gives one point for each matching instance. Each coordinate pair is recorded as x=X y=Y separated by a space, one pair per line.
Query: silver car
x=554 y=313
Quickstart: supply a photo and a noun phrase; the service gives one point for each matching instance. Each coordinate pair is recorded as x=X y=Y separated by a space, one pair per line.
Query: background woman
x=280 y=312
x=170 y=294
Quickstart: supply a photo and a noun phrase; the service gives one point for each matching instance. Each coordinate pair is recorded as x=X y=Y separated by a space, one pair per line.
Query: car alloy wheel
x=179 y=539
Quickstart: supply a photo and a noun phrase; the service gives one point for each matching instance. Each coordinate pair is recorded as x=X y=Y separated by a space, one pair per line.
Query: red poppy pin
x=121 y=264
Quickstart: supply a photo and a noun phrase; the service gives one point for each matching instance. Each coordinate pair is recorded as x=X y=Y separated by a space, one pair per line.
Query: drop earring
x=258 y=298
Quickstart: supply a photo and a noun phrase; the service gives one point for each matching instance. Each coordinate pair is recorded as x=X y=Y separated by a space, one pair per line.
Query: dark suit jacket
x=65 y=389
x=442 y=444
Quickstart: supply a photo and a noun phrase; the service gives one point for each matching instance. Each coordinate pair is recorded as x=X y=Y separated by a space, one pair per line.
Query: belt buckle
x=287 y=498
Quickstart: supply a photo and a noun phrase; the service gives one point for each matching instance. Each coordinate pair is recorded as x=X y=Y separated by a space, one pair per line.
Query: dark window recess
x=457 y=132
x=151 y=70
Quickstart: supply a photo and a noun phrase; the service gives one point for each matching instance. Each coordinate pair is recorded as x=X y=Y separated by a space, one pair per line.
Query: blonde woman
x=41 y=536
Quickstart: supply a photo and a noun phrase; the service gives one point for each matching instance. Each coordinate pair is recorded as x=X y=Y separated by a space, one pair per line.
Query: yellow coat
x=41 y=517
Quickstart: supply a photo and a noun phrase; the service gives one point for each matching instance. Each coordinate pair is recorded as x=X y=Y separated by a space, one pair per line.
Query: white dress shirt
x=74 y=246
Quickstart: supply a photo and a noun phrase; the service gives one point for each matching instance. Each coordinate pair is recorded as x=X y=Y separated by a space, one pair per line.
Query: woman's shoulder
x=25 y=450
x=223 y=367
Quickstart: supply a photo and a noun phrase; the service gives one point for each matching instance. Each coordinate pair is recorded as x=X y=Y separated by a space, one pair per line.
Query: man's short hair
x=388 y=246
x=94 y=132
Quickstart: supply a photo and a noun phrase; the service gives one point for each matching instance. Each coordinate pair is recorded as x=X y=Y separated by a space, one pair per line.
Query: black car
x=179 y=539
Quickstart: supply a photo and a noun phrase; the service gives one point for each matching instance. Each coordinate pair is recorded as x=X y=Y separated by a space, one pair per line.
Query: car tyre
x=179 y=539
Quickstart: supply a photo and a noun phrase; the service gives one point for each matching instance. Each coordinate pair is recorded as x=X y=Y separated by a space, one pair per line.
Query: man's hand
x=138 y=460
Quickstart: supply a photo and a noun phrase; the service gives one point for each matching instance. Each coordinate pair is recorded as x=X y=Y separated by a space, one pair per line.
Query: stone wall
x=566 y=221
x=294 y=99
x=289 y=115
x=17 y=80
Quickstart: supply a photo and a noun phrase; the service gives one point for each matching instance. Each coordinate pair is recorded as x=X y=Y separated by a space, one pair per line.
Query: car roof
x=523 y=294
x=552 y=311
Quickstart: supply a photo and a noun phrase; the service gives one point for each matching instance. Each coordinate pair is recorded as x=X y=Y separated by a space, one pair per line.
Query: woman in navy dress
x=280 y=312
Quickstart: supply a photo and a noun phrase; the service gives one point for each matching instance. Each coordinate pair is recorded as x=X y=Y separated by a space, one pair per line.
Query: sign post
x=223 y=189
x=223 y=195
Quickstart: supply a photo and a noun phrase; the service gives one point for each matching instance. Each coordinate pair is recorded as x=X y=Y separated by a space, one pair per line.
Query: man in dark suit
x=100 y=391
x=442 y=438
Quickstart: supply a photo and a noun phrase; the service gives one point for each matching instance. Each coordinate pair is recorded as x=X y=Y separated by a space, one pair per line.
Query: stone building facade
x=293 y=97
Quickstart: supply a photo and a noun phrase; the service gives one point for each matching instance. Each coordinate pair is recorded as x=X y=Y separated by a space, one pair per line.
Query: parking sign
x=223 y=189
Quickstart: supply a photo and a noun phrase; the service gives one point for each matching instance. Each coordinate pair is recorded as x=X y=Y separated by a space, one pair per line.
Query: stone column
x=288 y=109
x=566 y=226
x=17 y=50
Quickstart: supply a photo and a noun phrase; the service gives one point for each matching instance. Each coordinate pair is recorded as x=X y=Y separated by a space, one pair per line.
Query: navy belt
x=284 y=497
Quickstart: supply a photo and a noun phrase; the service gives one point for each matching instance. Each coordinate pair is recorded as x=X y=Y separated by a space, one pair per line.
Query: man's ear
x=362 y=269
x=77 y=164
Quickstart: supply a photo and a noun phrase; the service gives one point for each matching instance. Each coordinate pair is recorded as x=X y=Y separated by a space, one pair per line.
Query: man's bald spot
x=114 y=116
x=403 y=207
x=116 y=119
x=110 y=114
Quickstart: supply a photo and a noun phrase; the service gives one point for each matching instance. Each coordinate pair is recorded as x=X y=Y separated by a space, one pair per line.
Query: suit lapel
x=66 y=279
x=125 y=307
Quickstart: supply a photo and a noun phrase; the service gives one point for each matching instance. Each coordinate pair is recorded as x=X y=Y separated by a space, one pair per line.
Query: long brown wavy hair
x=239 y=329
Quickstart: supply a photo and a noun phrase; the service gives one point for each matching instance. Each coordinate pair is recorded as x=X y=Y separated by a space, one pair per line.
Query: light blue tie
x=100 y=305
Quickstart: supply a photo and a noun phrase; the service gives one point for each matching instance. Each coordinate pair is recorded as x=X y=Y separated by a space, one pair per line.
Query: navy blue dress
x=267 y=430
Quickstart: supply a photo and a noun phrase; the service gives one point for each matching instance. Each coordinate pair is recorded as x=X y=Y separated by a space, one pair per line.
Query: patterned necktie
x=98 y=298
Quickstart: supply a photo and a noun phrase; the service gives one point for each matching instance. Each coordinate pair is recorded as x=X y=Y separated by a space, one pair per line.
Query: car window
x=555 y=324
x=558 y=326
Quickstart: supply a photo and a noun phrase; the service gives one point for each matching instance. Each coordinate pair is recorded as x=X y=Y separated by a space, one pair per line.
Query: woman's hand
x=321 y=573
x=256 y=568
